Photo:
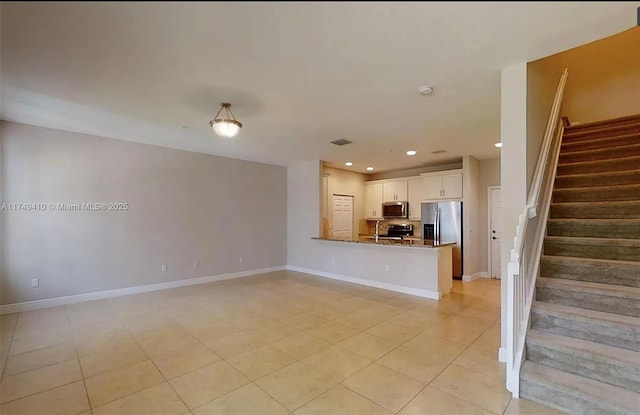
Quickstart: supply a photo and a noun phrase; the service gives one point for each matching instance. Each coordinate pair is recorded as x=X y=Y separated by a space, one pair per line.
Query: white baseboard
x=475 y=276
x=98 y=295
x=435 y=295
x=502 y=355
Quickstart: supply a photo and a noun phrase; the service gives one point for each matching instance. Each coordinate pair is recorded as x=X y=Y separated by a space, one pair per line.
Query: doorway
x=342 y=217
x=494 y=200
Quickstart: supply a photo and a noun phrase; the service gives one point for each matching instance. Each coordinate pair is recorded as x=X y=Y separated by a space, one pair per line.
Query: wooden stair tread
x=612 y=290
x=600 y=150
x=580 y=387
x=557 y=341
x=609 y=122
x=590 y=261
x=587 y=175
x=579 y=163
x=585 y=315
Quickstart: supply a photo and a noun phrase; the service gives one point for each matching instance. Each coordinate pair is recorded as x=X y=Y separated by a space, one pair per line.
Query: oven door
x=394 y=210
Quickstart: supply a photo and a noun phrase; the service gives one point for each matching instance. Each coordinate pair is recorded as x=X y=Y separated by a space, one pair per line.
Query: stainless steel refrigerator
x=442 y=222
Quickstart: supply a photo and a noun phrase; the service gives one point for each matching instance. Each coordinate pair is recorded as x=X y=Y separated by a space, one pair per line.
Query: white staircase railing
x=524 y=263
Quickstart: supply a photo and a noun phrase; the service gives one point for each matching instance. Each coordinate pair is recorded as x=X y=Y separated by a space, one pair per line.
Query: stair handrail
x=533 y=200
x=524 y=261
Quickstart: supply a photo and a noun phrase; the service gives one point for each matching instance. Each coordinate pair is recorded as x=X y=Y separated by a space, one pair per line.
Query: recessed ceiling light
x=498 y=145
x=348 y=163
x=411 y=153
x=425 y=90
x=369 y=168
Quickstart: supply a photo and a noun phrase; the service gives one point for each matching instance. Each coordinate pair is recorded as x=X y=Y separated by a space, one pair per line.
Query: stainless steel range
x=399 y=231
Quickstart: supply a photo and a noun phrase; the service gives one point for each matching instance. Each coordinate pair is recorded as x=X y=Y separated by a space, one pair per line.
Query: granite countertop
x=407 y=242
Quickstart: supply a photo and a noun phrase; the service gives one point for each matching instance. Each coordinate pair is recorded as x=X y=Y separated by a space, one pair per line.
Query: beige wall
x=541 y=90
x=489 y=176
x=347 y=183
x=183 y=207
x=513 y=166
x=604 y=82
x=304 y=181
x=471 y=221
x=604 y=77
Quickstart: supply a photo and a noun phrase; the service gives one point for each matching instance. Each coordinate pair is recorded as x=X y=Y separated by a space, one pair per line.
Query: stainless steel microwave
x=392 y=210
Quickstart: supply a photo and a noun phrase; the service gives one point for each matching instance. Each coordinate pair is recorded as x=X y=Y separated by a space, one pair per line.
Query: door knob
x=494 y=238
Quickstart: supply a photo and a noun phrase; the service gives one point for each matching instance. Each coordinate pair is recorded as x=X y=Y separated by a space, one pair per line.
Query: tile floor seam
x=122 y=396
x=170 y=385
x=283 y=405
x=43 y=366
x=428 y=384
x=474 y=404
x=52 y=388
x=376 y=362
x=75 y=348
x=453 y=362
x=369 y=399
x=44 y=390
x=6 y=358
x=250 y=383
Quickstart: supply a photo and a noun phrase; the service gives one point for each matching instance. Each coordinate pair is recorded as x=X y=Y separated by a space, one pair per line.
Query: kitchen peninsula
x=412 y=266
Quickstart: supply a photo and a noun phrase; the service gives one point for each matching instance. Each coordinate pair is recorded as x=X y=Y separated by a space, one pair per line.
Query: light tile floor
x=279 y=343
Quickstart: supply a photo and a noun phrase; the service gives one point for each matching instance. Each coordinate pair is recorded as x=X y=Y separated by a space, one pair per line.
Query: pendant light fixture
x=225 y=127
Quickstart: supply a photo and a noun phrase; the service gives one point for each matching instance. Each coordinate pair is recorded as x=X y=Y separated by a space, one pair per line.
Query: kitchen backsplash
x=369 y=227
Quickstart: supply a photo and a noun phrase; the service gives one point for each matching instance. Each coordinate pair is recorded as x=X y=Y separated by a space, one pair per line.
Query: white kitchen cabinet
x=442 y=185
x=416 y=195
x=395 y=191
x=373 y=200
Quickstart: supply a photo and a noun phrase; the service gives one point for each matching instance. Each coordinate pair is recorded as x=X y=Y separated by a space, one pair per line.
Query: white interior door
x=495 y=232
x=342 y=217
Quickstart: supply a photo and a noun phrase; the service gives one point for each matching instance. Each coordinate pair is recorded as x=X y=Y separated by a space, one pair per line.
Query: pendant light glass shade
x=225 y=127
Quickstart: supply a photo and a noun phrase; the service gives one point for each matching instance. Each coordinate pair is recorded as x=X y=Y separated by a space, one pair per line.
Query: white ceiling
x=297 y=74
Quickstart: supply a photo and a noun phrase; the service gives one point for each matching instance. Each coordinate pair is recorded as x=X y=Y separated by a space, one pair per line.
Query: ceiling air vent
x=438 y=151
x=341 y=142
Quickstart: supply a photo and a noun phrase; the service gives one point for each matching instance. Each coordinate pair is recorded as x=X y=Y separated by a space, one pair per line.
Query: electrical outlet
x=333 y=261
x=242 y=260
x=35 y=282
x=164 y=268
x=386 y=267
x=196 y=265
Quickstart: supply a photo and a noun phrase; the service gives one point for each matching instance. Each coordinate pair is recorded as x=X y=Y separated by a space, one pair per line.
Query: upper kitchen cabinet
x=442 y=185
x=416 y=195
x=395 y=191
x=373 y=200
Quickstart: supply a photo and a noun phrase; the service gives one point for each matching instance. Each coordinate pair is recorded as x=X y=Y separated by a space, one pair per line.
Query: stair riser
x=550 y=396
x=601 y=166
x=607 y=130
x=612 y=334
x=611 y=251
x=629 y=276
x=593 y=155
x=596 y=195
x=588 y=211
x=632 y=177
x=583 y=364
x=590 y=229
x=590 y=301
x=596 y=143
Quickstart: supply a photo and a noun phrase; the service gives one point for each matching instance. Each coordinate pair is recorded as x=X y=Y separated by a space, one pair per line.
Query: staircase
x=583 y=347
